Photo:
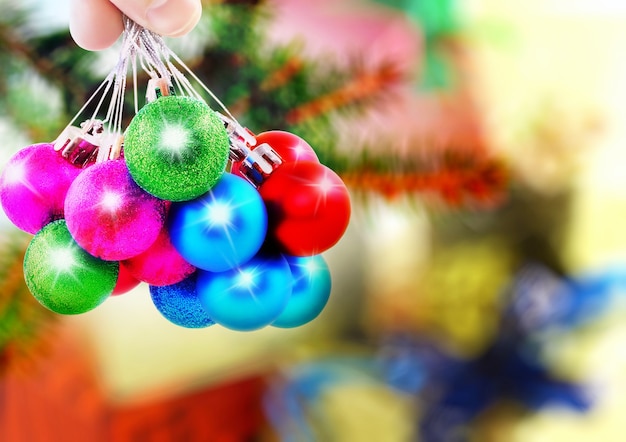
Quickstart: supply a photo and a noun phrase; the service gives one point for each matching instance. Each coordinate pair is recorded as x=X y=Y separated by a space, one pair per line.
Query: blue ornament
x=179 y=303
x=248 y=297
x=223 y=228
x=310 y=291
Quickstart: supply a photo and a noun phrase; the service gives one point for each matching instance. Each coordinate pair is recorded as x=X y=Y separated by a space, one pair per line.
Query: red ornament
x=125 y=282
x=308 y=207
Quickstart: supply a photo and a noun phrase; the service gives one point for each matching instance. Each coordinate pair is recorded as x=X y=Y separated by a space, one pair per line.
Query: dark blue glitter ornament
x=179 y=303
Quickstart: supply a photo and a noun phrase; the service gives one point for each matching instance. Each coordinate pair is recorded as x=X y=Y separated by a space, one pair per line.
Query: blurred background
x=480 y=291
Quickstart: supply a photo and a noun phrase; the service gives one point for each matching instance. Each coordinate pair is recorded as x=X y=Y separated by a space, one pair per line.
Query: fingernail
x=156 y=4
x=165 y=16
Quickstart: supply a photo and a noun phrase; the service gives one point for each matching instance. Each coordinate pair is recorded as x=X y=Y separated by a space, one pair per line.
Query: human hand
x=96 y=24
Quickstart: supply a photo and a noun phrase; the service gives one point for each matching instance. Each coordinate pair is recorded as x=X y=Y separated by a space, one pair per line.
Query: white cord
x=145 y=50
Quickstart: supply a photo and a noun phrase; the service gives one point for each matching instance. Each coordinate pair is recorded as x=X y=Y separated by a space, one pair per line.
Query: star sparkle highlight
x=62 y=260
x=111 y=201
x=17 y=174
x=247 y=279
x=324 y=186
x=219 y=214
x=175 y=139
x=310 y=269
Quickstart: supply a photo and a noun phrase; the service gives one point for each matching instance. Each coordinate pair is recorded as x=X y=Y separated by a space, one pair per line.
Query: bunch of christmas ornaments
x=226 y=227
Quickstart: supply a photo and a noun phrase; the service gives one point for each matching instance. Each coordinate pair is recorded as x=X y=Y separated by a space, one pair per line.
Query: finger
x=165 y=17
x=95 y=24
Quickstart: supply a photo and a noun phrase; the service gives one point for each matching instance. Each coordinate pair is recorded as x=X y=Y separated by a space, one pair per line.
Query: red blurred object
x=60 y=399
x=308 y=208
x=125 y=282
x=482 y=183
x=226 y=413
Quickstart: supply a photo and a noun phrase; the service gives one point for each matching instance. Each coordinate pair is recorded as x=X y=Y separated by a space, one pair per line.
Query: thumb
x=95 y=24
x=165 y=17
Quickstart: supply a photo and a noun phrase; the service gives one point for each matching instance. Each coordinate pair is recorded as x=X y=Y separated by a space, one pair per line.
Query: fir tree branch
x=484 y=182
x=15 y=46
x=364 y=87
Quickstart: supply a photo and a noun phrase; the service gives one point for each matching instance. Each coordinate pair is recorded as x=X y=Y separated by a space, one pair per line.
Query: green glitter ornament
x=62 y=276
x=176 y=148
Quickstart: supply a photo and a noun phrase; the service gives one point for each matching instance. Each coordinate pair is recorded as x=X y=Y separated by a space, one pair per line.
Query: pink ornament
x=109 y=215
x=161 y=264
x=33 y=186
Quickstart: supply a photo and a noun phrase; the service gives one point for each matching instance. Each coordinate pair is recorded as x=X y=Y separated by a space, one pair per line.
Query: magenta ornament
x=109 y=215
x=33 y=186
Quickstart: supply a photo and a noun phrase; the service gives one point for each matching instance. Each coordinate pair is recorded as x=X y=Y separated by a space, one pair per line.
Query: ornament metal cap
x=256 y=165
x=259 y=164
x=111 y=148
x=158 y=87
x=80 y=145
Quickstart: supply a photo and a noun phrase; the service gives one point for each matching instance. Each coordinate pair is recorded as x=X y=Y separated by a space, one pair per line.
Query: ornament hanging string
x=145 y=50
x=152 y=48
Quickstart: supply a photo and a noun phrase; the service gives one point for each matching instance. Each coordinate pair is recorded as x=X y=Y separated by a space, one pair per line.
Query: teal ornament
x=248 y=297
x=62 y=276
x=176 y=148
x=310 y=291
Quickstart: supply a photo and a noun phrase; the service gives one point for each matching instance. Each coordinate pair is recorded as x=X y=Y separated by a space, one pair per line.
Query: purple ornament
x=33 y=186
x=109 y=215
